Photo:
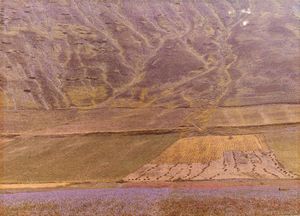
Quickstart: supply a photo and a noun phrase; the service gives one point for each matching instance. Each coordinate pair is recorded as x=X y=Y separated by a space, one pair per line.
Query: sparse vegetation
x=203 y=149
x=79 y=157
x=189 y=205
x=152 y=202
x=84 y=96
x=286 y=148
x=164 y=91
x=274 y=114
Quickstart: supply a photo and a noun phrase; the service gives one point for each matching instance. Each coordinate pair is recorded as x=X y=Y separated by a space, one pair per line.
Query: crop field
x=135 y=93
x=233 y=165
x=286 y=148
x=153 y=202
x=255 y=115
x=70 y=121
x=16 y=122
x=78 y=158
x=203 y=149
x=214 y=157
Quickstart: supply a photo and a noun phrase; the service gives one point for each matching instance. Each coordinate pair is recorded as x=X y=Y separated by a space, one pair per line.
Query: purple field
x=151 y=201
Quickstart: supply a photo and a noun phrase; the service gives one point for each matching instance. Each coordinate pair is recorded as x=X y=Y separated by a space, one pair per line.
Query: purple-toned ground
x=243 y=200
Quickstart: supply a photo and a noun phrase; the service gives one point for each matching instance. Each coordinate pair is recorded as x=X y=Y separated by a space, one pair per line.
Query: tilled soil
x=233 y=165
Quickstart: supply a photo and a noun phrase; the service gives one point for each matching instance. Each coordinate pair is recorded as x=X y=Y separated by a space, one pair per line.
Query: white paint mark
x=246 y=22
x=246 y=11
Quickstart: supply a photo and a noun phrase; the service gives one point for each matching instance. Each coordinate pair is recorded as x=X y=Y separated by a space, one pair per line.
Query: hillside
x=62 y=54
x=126 y=85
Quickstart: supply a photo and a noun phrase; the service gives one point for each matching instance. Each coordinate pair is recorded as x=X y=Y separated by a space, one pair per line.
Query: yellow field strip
x=32 y=186
x=255 y=115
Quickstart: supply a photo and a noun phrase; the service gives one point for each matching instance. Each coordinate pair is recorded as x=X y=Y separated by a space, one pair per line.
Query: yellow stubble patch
x=202 y=149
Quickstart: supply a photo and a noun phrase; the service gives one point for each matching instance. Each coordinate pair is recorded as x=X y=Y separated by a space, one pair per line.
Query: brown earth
x=141 y=54
x=214 y=157
x=94 y=72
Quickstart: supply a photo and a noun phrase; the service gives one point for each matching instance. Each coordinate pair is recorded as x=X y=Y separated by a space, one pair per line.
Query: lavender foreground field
x=243 y=200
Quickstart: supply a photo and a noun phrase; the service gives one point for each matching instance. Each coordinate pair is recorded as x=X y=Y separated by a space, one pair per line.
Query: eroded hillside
x=62 y=54
x=101 y=72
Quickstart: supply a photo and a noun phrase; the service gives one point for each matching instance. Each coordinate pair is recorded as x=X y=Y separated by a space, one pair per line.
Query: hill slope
x=71 y=53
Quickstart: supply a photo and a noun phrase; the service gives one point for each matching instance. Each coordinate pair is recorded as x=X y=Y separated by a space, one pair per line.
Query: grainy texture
x=79 y=158
x=129 y=54
x=149 y=91
x=286 y=148
x=191 y=68
x=157 y=202
x=202 y=149
x=214 y=157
